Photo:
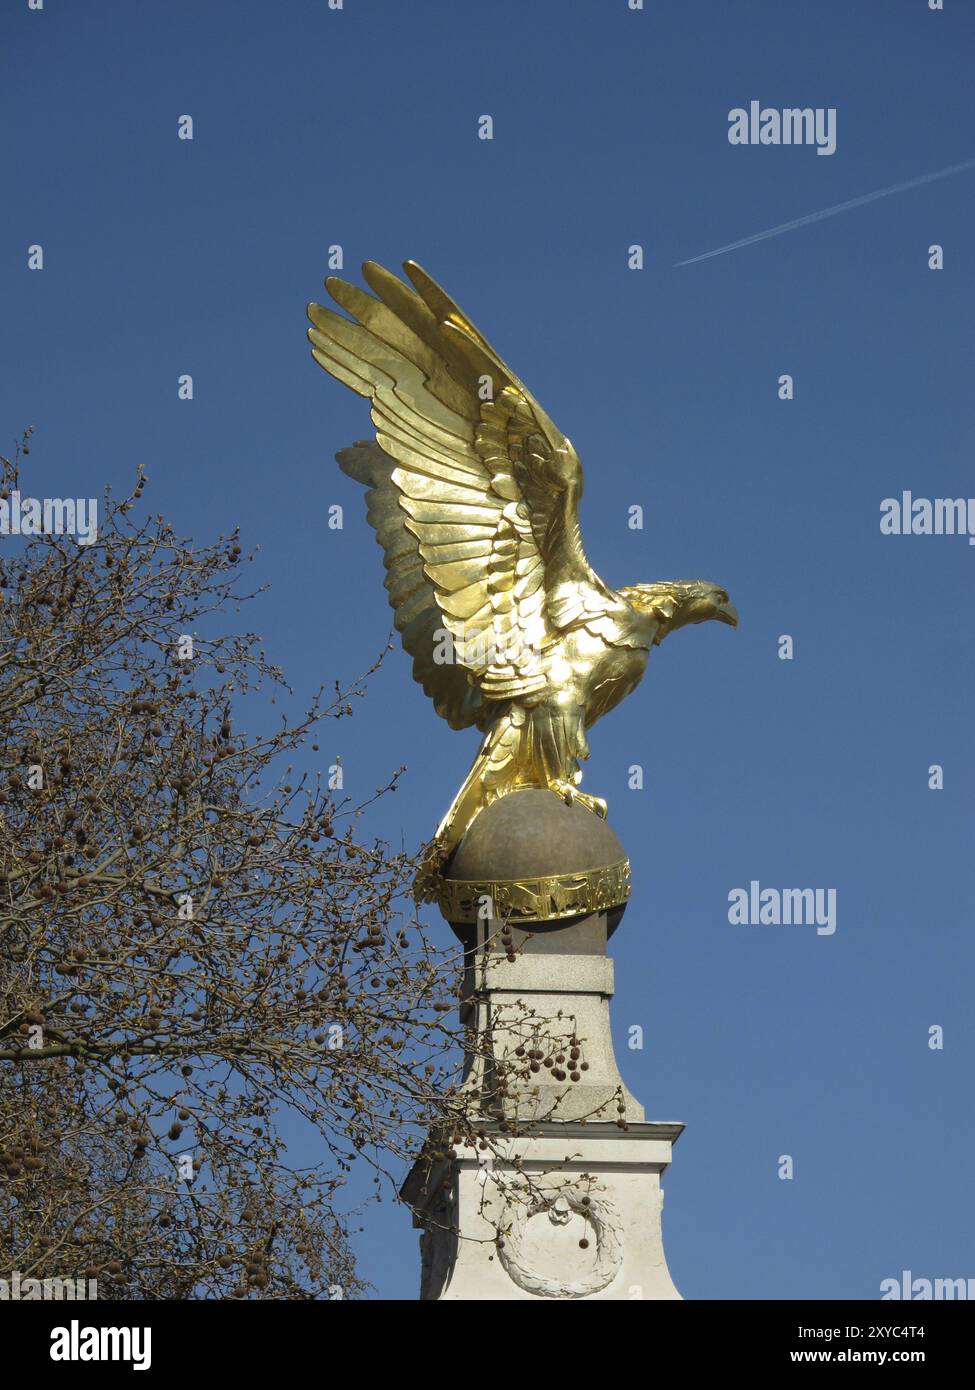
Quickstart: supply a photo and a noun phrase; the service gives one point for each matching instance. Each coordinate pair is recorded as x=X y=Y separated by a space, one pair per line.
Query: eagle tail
x=491 y=775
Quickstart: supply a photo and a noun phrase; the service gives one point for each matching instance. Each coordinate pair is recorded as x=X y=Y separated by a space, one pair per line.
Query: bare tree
x=198 y=948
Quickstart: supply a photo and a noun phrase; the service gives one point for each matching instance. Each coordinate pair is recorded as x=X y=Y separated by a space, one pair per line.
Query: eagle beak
x=727 y=613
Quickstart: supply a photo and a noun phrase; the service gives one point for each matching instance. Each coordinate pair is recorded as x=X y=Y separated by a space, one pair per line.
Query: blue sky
x=358 y=127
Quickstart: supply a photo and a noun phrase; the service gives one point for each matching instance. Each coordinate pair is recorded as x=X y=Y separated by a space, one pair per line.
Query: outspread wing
x=474 y=492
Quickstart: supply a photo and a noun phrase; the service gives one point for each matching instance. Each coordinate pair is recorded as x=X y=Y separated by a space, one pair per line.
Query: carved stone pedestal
x=580 y=1217
x=559 y=1197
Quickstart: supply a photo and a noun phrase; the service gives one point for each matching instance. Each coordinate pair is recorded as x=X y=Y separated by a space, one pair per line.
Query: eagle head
x=677 y=602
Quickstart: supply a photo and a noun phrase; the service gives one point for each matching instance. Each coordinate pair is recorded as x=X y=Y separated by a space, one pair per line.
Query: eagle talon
x=595 y=804
x=571 y=794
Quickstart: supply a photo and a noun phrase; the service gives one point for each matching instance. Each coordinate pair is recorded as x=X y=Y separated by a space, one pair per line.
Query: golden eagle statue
x=474 y=496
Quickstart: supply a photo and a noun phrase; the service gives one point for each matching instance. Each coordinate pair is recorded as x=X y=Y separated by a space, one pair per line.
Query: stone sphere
x=532 y=834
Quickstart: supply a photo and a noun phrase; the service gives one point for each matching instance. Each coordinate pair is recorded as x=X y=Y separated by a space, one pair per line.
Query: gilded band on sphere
x=536 y=899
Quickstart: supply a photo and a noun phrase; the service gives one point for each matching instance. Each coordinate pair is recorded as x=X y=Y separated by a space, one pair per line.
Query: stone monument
x=473 y=492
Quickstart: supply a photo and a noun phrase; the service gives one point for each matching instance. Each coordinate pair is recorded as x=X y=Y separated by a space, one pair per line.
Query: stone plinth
x=580 y=1216
x=548 y=999
x=560 y=1198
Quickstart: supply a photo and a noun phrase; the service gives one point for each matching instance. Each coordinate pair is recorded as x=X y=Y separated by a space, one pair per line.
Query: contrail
x=831 y=212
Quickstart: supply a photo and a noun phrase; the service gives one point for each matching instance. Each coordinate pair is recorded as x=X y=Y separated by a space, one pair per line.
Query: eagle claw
x=570 y=793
